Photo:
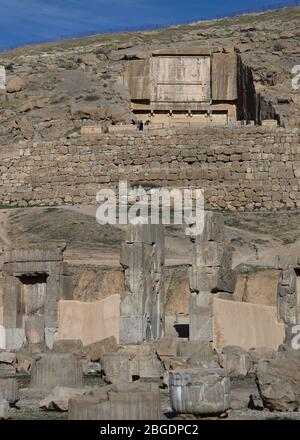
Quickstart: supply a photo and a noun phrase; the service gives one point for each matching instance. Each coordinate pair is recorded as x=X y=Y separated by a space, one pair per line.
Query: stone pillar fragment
x=142 y=313
x=119 y=367
x=211 y=272
x=56 y=369
x=130 y=402
x=199 y=391
x=9 y=388
x=135 y=402
x=287 y=297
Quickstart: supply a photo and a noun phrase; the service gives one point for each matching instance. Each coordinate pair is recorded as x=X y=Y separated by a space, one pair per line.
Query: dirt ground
x=257 y=237
x=28 y=406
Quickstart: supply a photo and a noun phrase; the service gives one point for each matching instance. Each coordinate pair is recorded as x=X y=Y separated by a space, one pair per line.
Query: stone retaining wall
x=241 y=168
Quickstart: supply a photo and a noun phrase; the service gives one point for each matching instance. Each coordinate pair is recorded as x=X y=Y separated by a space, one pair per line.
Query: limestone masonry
x=239 y=169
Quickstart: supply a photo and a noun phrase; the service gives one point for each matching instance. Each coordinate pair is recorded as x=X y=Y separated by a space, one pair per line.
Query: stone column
x=210 y=273
x=287 y=310
x=142 y=315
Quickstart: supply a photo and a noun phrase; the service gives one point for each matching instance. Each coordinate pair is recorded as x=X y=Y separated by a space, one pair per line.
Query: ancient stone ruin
x=193 y=86
x=139 y=321
x=210 y=275
x=33 y=285
x=142 y=314
x=142 y=363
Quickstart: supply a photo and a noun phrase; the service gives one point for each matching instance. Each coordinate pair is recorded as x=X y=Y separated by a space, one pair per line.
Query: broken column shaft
x=142 y=315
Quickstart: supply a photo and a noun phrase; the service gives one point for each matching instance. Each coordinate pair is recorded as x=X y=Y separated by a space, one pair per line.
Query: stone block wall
x=239 y=169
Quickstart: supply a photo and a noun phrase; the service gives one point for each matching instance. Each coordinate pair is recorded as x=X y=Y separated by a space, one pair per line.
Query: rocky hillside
x=53 y=88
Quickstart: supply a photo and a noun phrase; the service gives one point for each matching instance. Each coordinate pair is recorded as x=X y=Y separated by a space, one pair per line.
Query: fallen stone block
x=197 y=360
x=197 y=353
x=89 y=408
x=4 y=409
x=199 y=391
x=119 y=367
x=130 y=402
x=7 y=358
x=7 y=369
x=59 y=398
x=24 y=364
x=93 y=352
x=149 y=366
x=285 y=352
x=166 y=347
x=9 y=389
x=56 y=369
x=135 y=402
x=68 y=346
x=240 y=398
x=245 y=396
x=235 y=361
x=187 y=348
x=170 y=364
x=278 y=382
x=91 y=129
x=90 y=367
x=258 y=353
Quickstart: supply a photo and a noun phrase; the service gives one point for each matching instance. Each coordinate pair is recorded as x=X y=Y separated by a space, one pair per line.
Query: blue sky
x=29 y=21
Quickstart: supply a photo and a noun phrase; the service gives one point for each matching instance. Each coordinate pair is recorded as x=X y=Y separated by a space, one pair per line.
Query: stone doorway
x=34 y=280
x=31 y=310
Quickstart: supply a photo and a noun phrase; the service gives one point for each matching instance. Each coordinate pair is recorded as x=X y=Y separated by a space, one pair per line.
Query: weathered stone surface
x=24 y=363
x=188 y=348
x=9 y=389
x=89 y=408
x=235 y=361
x=238 y=175
x=119 y=367
x=7 y=358
x=4 y=409
x=201 y=317
x=199 y=391
x=245 y=397
x=59 y=398
x=278 y=381
x=174 y=363
x=89 y=321
x=142 y=316
x=57 y=369
x=130 y=402
x=239 y=398
x=258 y=353
x=248 y=287
x=166 y=347
x=211 y=272
x=14 y=84
x=135 y=402
x=89 y=367
x=246 y=325
x=287 y=297
x=68 y=346
x=149 y=366
x=93 y=352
